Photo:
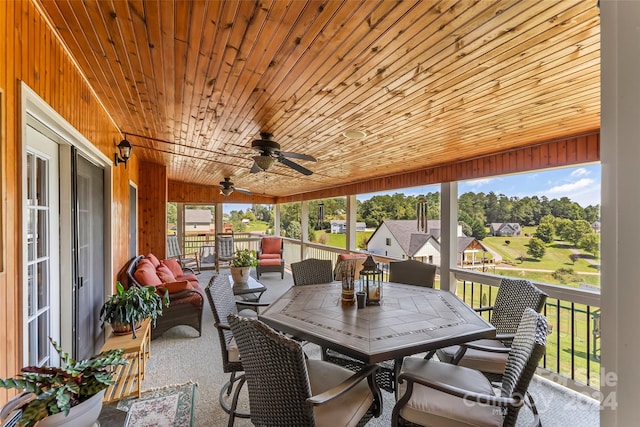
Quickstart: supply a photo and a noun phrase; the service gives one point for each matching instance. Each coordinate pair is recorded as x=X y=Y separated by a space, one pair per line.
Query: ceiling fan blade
x=255 y=168
x=294 y=166
x=242 y=190
x=298 y=156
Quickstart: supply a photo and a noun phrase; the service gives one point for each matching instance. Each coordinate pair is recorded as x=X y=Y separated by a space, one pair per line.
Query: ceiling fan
x=227 y=187
x=270 y=153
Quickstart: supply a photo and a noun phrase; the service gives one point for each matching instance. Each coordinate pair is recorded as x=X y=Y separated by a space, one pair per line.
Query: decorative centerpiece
x=371 y=279
x=347 y=272
x=126 y=309
x=67 y=395
x=241 y=265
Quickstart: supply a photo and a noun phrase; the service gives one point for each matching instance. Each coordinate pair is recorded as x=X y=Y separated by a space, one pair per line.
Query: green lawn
x=340 y=240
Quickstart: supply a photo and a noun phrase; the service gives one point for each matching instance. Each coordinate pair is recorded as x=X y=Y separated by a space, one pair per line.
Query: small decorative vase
x=240 y=274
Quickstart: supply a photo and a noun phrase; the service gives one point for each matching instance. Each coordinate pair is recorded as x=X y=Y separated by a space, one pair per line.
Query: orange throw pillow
x=147 y=276
x=173 y=265
x=154 y=260
x=165 y=274
x=174 y=287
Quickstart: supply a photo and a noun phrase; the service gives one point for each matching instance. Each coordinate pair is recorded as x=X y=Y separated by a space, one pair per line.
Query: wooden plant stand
x=129 y=377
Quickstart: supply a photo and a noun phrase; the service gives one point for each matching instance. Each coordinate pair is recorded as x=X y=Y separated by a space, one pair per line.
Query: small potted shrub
x=126 y=309
x=241 y=265
x=68 y=395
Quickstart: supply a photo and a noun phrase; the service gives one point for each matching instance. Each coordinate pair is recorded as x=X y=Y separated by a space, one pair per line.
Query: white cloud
x=580 y=172
x=479 y=182
x=566 y=189
x=585 y=192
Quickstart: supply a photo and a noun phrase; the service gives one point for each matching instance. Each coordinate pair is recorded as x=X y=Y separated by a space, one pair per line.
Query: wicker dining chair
x=288 y=389
x=412 y=272
x=225 y=249
x=311 y=271
x=490 y=355
x=223 y=303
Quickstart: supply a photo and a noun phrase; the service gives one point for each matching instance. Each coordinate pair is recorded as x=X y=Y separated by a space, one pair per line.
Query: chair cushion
x=485 y=361
x=346 y=410
x=165 y=274
x=269 y=261
x=154 y=260
x=194 y=298
x=431 y=407
x=147 y=276
x=174 y=266
x=145 y=263
x=269 y=256
x=271 y=245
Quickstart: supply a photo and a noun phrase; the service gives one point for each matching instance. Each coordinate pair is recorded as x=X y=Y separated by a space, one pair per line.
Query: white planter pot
x=240 y=274
x=82 y=415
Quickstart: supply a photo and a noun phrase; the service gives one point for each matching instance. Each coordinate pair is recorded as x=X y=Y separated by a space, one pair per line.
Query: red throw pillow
x=174 y=287
x=145 y=263
x=165 y=274
x=147 y=276
x=154 y=260
x=173 y=265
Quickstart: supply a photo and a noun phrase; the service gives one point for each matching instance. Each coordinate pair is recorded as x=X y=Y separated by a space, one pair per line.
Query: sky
x=580 y=184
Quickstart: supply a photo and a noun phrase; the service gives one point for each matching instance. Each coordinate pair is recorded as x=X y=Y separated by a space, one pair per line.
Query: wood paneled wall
x=32 y=54
x=152 y=209
x=182 y=192
x=565 y=152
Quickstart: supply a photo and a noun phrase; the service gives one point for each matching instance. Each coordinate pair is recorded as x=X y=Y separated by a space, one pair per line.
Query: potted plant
x=126 y=309
x=241 y=265
x=68 y=395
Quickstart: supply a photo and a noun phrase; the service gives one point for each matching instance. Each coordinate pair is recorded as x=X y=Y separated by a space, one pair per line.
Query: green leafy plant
x=245 y=258
x=57 y=389
x=133 y=305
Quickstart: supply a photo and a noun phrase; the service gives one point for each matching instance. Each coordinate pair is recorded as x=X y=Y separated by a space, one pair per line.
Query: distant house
x=400 y=239
x=595 y=226
x=339 y=226
x=197 y=220
x=511 y=229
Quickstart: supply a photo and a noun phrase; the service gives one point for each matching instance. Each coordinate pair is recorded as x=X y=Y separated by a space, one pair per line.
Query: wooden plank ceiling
x=192 y=83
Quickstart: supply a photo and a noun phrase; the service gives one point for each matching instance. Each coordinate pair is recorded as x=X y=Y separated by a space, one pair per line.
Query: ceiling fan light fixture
x=354 y=134
x=264 y=162
x=226 y=191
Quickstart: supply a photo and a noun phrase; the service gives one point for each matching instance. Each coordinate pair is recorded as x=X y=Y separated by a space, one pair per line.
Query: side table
x=128 y=378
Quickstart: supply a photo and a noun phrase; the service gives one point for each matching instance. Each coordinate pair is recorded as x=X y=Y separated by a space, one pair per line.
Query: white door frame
x=36 y=107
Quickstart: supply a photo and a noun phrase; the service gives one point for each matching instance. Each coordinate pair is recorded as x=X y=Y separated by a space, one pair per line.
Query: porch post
x=352 y=217
x=620 y=153
x=304 y=224
x=448 y=234
x=180 y=224
x=217 y=219
x=276 y=220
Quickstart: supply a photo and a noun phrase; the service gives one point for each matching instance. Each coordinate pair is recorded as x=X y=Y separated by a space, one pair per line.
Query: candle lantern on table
x=371 y=279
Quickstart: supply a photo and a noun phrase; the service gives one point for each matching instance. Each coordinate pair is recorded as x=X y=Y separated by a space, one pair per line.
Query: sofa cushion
x=165 y=274
x=147 y=276
x=145 y=263
x=174 y=266
x=154 y=260
x=174 y=287
x=194 y=298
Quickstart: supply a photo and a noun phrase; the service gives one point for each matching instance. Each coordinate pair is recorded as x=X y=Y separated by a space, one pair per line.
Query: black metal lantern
x=371 y=279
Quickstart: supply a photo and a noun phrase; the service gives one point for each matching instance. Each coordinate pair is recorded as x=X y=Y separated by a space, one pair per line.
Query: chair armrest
x=487 y=348
x=252 y=304
x=187 y=270
x=505 y=337
x=344 y=386
x=224 y=326
x=481 y=309
x=488 y=399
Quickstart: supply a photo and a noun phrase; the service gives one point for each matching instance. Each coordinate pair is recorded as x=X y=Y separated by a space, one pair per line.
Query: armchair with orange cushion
x=270 y=256
x=186 y=297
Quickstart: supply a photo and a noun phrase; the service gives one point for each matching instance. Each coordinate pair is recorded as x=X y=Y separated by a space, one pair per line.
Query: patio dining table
x=409 y=320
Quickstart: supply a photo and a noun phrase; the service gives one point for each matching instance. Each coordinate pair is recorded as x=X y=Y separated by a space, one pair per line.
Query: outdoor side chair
x=223 y=303
x=412 y=272
x=490 y=355
x=440 y=394
x=288 y=389
x=225 y=250
x=189 y=261
x=311 y=271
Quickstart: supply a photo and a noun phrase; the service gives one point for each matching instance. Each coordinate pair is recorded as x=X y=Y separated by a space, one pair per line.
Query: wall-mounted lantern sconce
x=125 y=149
